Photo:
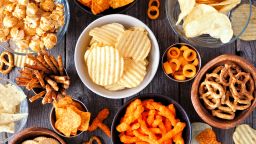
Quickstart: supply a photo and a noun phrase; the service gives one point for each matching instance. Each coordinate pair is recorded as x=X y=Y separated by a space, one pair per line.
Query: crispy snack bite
x=150 y=122
x=98 y=122
x=45 y=76
x=8 y=63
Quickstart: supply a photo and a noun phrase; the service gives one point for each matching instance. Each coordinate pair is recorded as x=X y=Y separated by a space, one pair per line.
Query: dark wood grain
x=180 y=92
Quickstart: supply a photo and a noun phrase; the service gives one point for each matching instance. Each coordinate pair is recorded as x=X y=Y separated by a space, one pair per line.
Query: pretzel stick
x=40 y=78
x=49 y=62
x=40 y=58
x=31 y=57
x=52 y=83
x=54 y=61
x=60 y=63
x=32 y=84
x=47 y=96
x=21 y=79
x=37 y=96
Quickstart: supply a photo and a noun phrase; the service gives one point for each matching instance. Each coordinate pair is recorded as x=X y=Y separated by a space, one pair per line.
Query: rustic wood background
x=39 y=114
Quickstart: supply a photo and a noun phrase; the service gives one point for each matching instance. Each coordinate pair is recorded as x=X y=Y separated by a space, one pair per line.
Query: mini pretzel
x=212 y=77
x=226 y=76
x=210 y=102
x=217 y=91
x=247 y=82
x=235 y=69
x=203 y=89
x=4 y=62
x=223 y=114
x=153 y=9
x=218 y=69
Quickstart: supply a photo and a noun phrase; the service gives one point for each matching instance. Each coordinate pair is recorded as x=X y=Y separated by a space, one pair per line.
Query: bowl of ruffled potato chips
x=209 y=23
x=116 y=56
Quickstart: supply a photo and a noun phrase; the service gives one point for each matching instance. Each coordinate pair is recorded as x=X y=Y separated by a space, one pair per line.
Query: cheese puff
x=19 y=11
x=10 y=21
x=23 y=2
x=176 y=130
x=178 y=139
x=17 y=33
x=32 y=21
x=145 y=129
x=4 y=32
x=50 y=40
x=22 y=44
x=128 y=139
x=32 y=9
x=47 y=5
x=36 y=44
x=46 y=23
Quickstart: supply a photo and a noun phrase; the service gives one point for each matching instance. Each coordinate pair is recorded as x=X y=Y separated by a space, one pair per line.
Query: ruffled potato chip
x=119 y=3
x=134 y=43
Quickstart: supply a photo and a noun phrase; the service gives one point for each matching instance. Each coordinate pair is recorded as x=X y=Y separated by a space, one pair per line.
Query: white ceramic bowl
x=83 y=43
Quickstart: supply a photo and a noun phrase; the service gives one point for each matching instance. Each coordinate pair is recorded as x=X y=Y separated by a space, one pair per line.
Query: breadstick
x=37 y=96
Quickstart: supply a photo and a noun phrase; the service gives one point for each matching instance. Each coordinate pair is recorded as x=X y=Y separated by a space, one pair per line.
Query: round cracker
x=134 y=73
x=198 y=127
x=239 y=18
x=107 y=34
x=39 y=139
x=134 y=43
x=244 y=134
x=30 y=142
x=105 y=65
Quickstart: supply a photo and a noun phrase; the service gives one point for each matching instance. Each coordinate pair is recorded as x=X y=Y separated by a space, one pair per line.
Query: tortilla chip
x=119 y=3
x=99 y=6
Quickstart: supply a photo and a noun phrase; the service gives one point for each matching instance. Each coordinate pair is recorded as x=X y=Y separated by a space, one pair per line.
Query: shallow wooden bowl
x=199 y=107
x=31 y=133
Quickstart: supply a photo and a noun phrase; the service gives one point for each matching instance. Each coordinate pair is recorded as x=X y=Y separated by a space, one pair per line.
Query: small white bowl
x=83 y=43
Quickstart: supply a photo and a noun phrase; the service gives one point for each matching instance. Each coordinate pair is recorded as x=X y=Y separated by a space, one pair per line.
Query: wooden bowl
x=199 y=107
x=31 y=133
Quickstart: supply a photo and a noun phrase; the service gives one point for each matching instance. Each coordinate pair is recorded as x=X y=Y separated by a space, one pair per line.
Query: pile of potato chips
x=117 y=58
x=207 y=17
x=70 y=117
x=98 y=6
x=10 y=99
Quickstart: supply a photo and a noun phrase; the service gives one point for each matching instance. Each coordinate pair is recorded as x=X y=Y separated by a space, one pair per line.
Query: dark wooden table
x=39 y=114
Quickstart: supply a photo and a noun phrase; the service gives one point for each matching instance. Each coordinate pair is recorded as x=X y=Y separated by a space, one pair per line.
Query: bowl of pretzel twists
x=223 y=93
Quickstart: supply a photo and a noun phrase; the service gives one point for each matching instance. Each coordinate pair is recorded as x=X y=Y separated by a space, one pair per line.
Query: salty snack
x=70 y=116
x=98 y=6
x=10 y=99
x=31 y=24
x=117 y=58
x=181 y=63
x=92 y=139
x=46 y=76
x=244 y=134
x=197 y=128
x=150 y=122
x=207 y=17
x=6 y=65
x=207 y=136
x=238 y=20
x=41 y=140
x=20 y=60
x=98 y=122
x=226 y=90
x=153 y=9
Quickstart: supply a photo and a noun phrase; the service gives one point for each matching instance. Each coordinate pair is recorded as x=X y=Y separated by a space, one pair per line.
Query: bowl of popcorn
x=29 y=26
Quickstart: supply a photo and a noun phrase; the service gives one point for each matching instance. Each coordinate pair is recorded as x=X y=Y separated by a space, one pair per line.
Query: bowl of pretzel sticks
x=223 y=93
x=46 y=77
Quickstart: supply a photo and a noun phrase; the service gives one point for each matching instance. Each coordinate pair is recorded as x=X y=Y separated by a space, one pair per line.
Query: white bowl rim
x=155 y=64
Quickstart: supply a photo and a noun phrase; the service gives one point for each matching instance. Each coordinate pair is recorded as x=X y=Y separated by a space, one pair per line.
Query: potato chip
x=6 y=118
x=59 y=112
x=107 y=34
x=63 y=102
x=198 y=127
x=99 y=6
x=68 y=122
x=119 y=3
x=135 y=44
x=9 y=128
x=244 y=134
x=105 y=65
x=239 y=19
x=186 y=7
x=216 y=24
x=134 y=73
x=115 y=87
x=85 y=118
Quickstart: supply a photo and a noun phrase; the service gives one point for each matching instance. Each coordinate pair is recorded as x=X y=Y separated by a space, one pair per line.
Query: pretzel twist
x=9 y=63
